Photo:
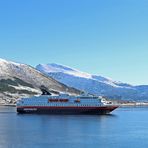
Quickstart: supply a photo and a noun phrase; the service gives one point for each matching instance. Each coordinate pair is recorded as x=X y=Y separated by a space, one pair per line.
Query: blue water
x=124 y=128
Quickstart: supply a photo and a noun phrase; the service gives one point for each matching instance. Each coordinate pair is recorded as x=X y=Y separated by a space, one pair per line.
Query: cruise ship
x=64 y=104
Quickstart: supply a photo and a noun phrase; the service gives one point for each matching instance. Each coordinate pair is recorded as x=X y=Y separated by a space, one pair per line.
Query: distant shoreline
x=133 y=106
x=136 y=104
x=11 y=105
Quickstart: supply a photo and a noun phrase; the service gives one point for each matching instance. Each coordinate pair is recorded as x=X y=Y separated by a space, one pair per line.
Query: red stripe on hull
x=73 y=107
x=66 y=109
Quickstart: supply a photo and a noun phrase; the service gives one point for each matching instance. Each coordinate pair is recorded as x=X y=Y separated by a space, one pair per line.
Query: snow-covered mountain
x=93 y=84
x=18 y=80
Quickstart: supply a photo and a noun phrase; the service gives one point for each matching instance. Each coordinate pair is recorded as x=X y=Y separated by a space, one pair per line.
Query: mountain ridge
x=21 y=80
x=93 y=84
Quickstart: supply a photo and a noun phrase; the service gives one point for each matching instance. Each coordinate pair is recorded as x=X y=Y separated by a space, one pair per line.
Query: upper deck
x=60 y=100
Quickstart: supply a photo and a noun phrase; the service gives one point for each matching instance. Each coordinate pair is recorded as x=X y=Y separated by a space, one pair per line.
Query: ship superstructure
x=64 y=104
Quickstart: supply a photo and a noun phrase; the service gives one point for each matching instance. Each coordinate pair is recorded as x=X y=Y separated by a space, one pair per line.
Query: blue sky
x=105 y=37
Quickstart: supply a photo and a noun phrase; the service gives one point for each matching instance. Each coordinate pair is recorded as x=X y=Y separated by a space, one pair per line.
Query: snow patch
x=20 y=87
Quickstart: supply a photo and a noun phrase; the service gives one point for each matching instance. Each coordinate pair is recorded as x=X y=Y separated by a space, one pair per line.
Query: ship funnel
x=45 y=91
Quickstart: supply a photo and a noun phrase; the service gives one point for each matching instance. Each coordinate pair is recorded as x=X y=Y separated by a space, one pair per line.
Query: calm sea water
x=124 y=128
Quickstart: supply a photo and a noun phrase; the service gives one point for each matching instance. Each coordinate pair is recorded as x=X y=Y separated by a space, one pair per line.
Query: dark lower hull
x=66 y=110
